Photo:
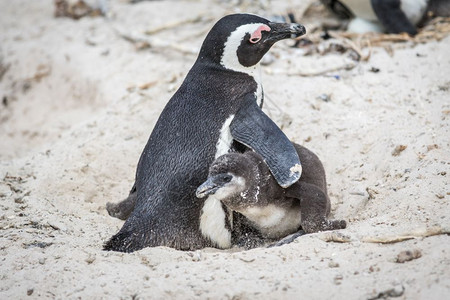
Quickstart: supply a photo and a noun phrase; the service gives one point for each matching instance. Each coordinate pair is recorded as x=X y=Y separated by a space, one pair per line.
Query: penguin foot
x=312 y=226
x=287 y=240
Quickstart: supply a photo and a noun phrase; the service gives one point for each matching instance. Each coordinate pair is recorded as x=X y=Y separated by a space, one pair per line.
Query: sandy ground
x=79 y=102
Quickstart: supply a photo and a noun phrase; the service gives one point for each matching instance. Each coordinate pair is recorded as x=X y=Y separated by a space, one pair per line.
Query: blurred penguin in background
x=392 y=16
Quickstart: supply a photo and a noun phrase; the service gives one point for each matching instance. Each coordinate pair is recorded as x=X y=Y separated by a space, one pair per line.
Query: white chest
x=274 y=221
x=212 y=223
x=225 y=140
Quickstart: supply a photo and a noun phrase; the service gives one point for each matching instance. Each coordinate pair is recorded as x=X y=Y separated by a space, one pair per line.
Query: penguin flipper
x=253 y=128
x=390 y=14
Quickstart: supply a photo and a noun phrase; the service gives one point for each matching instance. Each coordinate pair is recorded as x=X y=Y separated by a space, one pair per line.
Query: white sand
x=76 y=121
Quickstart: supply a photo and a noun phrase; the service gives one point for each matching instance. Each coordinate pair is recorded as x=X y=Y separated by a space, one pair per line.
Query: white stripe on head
x=230 y=58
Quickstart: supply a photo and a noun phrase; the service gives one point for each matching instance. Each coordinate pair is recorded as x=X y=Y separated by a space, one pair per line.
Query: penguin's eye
x=257 y=34
x=254 y=40
x=227 y=178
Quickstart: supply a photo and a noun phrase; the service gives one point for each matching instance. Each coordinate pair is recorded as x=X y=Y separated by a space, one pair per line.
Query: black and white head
x=234 y=179
x=238 y=42
x=226 y=178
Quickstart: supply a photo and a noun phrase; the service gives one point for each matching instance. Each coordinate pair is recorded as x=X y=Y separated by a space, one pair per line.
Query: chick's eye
x=227 y=178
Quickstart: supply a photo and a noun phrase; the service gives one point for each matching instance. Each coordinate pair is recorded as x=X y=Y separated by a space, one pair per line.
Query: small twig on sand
x=352 y=45
x=141 y=42
x=376 y=38
x=178 y=23
x=345 y=65
x=338 y=237
x=419 y=233
x=436 y=29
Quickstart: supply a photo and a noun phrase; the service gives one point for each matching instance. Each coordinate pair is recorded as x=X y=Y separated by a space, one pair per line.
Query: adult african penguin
x=215 y=108
x=394 y=16
x=244 y=184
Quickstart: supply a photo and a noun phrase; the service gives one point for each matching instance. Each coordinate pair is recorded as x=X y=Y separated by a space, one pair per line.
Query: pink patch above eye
x=256 y=35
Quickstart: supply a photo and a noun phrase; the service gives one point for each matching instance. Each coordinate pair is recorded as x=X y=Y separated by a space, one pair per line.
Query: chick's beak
x=207 y=188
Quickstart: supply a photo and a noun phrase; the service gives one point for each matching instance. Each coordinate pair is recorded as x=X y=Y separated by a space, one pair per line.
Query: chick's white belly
x=274 y=221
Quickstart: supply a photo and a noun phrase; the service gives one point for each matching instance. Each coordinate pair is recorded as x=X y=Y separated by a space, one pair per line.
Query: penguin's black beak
x=281 y=31
x=207 y=188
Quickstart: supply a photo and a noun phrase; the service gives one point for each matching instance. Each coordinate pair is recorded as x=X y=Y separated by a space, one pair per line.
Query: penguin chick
x=244 y=184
